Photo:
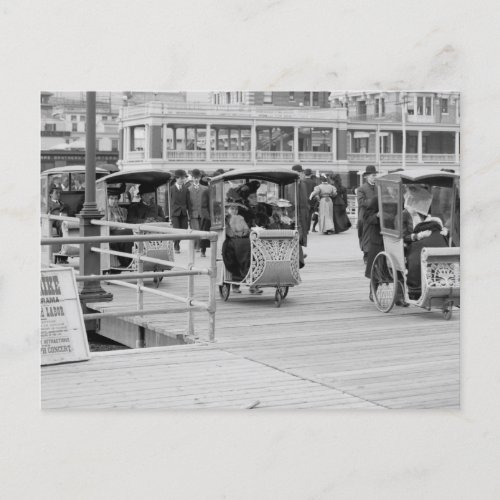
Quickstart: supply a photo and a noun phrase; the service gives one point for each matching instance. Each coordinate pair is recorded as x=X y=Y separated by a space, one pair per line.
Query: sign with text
x=63 y=336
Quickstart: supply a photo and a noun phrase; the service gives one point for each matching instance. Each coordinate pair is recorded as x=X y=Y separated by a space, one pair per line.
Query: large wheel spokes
x=384 y=282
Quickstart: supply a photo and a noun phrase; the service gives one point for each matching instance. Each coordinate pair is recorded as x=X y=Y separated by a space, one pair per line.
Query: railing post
x=211 y=289
x=141 y=342
x=190 y=328
x=90 y=262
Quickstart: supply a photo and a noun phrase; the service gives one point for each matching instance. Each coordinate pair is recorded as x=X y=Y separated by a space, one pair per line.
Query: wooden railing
x=186 y=155
x=231 y=155
x=135 y=155
x=274 y=155
x=155 y=233
x=320 y=156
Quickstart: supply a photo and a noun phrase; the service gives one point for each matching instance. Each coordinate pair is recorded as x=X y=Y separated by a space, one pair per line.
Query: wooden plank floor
x=326 y=347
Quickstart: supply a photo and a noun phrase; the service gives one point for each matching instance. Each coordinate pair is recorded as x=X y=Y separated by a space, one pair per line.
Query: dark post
x=90 y=261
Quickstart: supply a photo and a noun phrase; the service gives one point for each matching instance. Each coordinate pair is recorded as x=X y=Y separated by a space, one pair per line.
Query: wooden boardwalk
x=326 y=347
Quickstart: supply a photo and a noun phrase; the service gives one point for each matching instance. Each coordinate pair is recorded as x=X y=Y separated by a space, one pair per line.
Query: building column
x=196 y=138
x=208 y=142
x=457 y=147
x=147 y=139
x=296 y=144
x=228 y=138
x=239 y=139
x=126 y=141
x=164 y=153
x=419 y=147
x=334 y=144
x=253 y=143
x=377 y=146
x=392 y=142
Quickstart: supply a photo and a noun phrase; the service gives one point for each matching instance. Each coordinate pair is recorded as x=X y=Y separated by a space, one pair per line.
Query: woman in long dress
x=340 y=219
x=325 y=192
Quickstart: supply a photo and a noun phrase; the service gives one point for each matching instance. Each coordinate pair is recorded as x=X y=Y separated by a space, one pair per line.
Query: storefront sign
x=63 y=335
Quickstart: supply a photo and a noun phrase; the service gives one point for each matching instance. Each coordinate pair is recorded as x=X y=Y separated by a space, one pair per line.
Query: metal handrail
x=156 y=233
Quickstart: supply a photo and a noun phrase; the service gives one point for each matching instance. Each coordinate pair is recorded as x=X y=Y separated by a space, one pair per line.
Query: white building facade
x=209 y=137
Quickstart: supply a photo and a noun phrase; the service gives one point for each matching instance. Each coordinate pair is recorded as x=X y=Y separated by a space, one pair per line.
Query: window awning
x=361 y=135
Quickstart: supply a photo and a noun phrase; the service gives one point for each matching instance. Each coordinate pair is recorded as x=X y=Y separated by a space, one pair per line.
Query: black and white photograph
x=251 y=250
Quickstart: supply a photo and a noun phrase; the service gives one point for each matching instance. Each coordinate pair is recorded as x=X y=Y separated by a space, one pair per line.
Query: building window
x=307 y=99
x=424 y=106
x=315 y=98
x=444 y=106
x=292 y=96
x=362 y=108
x=268 y=97
x=82 y=118
x=74 y=127
x=51 y=127
x=428 y=106
x=114 y=144
x=380 y=107
x=73 y=118
x=104 y=118
x=228 y=97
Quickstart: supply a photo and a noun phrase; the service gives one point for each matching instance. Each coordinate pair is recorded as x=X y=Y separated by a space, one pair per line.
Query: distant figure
x=310 y=184
x=340 y=219
x=364 y=194
x=146 y=210
x=199 y=212
x=325 y=193
x=304 y=221
x=179 y=204
x=56 y=207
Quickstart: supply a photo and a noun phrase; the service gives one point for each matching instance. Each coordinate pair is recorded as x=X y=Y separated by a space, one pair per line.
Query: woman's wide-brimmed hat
x=236 y=204
x=249 y=188
x=283 y=203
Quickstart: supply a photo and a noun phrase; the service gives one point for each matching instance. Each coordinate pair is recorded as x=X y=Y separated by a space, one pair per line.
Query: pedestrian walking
x=372 y=236
x=199 y=213
x=310 y=184
x=340 y=219
x=304 y=222
x=179 y=204
x=325 y=192
x=364 y=194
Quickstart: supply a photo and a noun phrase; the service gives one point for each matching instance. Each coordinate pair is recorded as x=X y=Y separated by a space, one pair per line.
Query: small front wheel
x=447 y=310
x=225 y=290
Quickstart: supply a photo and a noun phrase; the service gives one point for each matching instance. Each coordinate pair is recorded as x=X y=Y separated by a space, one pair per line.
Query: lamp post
x=90 y=262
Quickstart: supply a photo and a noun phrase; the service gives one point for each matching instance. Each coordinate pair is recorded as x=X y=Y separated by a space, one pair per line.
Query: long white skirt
x=325 y=221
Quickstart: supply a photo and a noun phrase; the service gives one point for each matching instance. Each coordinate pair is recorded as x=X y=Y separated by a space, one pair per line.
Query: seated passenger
x=279 y=217
x=118 y=214
x=258 y=213
x=419 y=230
x=236 y=247
x=146 y=210
x=56 y=207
